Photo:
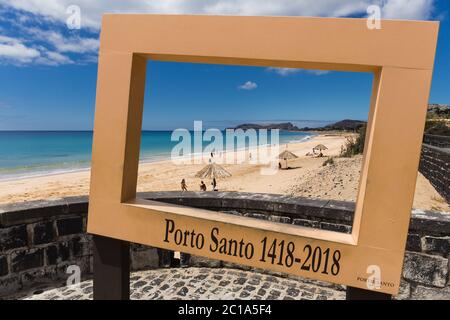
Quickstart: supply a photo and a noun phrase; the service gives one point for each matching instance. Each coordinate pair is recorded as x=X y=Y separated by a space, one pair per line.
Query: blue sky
x=48 y=71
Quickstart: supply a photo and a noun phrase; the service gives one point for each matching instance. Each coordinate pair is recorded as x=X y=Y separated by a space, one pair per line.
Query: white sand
x=309 y=179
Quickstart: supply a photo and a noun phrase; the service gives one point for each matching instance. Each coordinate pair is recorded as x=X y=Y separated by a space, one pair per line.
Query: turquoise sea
x=32 y=153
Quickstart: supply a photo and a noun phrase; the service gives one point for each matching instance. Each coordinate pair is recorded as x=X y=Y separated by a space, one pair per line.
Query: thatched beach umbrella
x=320 y=147
x=286 y=154
x=213 y=170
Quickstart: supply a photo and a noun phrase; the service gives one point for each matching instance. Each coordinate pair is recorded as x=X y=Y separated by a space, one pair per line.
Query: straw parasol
x=320 y=147
x=213 y=170
x=286 y=154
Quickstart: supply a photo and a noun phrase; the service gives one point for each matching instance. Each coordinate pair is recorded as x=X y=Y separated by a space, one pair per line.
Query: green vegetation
x=354 y=146
x=438 y=111
x=437 y=127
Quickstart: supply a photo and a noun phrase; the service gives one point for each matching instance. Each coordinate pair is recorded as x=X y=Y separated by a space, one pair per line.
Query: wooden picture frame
x=400 y=55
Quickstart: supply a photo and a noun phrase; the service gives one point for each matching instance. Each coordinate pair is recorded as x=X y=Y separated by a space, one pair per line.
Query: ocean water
x=34 y=153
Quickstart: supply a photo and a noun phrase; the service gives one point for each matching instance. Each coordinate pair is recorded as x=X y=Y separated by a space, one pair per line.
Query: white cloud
x=74 y=44
x=52 y=58
x=49 y=17
x=80 y=45
x=16 y=51
x=407 y=9
x=318 y=72
x=283 y=71
x=288 y=71
x=249 y=85
x=13 y=49
x=92 y=10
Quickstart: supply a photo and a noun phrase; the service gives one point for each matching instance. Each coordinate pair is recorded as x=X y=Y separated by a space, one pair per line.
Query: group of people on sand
x=202 y=185
x=313 y=154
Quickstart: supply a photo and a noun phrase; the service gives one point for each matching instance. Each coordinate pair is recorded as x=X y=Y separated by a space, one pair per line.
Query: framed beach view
x=371 y=256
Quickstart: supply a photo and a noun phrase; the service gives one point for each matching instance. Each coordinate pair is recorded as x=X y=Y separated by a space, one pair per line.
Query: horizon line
x=242 y=122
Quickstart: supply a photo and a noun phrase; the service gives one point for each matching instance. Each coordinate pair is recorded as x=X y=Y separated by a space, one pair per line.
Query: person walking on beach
x=214 y=184
x=202 y=186
x=183 y=185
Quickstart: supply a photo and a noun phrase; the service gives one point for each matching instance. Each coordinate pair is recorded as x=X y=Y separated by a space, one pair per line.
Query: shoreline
x=306 y=178
x=157 y=158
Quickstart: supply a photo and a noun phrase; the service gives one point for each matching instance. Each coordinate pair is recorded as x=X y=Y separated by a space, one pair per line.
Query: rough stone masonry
x=39 y=240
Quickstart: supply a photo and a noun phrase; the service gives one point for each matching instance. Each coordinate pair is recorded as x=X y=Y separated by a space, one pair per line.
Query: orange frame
x=401 y=57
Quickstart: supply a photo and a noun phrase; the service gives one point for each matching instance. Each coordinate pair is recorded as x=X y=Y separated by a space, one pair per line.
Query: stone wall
x=437 y=141
x=40 y=239
x=435 y=166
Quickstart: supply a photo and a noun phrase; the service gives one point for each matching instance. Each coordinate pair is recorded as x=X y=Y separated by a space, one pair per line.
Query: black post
x=111 y=269
x=353 y=293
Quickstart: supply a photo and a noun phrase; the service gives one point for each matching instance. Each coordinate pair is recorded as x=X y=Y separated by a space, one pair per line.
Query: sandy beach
x=307 y=178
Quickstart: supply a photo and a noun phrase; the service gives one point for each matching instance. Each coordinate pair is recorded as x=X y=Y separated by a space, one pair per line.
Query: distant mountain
x=344 y=125
x=440 y=110
x=286 y=126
